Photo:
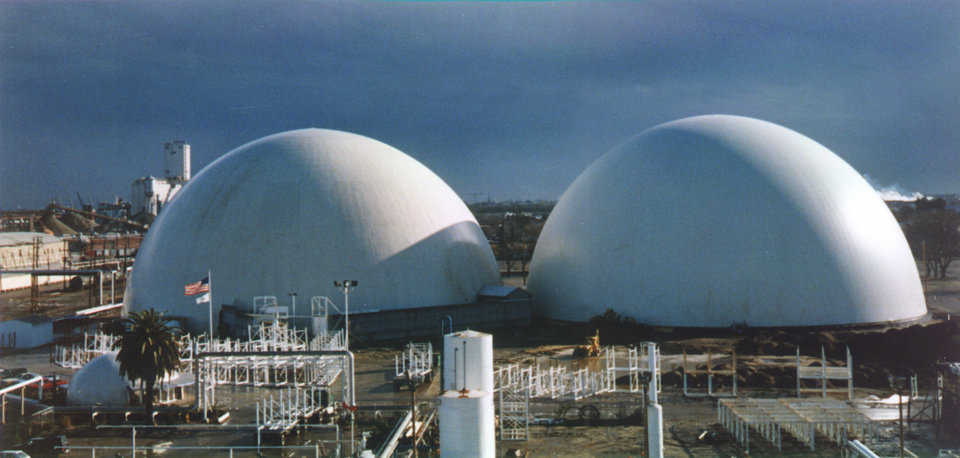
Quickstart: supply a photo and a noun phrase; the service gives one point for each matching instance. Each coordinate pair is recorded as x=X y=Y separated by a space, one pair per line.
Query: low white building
x=150 y=194
x=17 y=252
x=27 y=332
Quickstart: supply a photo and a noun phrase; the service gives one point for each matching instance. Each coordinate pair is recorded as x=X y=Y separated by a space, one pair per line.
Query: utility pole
x=34 y=285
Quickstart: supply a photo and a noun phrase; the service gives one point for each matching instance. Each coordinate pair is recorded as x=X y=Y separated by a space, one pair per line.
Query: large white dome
x=719 y=220
x=99 y=383
x=297 y=210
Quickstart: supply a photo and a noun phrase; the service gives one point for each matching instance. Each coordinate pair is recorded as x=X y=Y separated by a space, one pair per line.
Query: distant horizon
x=554 y=201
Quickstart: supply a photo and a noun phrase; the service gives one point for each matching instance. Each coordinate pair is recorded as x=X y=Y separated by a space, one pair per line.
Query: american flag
x=202 y=286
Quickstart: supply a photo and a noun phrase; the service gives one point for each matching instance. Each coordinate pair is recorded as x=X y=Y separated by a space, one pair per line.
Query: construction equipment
x=591 y=349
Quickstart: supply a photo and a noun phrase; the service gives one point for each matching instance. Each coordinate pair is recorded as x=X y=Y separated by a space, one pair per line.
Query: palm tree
x=148 y=351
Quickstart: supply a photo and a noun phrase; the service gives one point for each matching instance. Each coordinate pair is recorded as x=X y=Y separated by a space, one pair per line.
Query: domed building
x=296 y=211
x=99 y=383
x=719 y=220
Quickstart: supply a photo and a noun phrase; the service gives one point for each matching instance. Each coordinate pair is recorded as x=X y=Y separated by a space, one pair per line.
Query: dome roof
x=297 y=210
x=719 y=220
x=99 y=383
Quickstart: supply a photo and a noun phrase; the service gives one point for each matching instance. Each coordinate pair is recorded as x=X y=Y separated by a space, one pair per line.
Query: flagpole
x=210 y=292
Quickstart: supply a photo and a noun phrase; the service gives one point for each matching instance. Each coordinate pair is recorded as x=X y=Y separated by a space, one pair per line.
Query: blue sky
x=513 y=99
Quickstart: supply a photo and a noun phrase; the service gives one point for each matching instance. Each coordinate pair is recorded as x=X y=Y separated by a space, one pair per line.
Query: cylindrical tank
x=468 y=361
x=467 y=424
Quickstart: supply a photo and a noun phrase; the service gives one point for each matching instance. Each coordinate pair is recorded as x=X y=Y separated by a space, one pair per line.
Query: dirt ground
x=54 y=301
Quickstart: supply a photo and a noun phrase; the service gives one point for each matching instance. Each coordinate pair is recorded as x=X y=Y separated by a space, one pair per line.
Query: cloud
x=511 y=97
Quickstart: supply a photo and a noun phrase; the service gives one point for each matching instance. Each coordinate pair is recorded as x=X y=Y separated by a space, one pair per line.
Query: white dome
x=719 y=220
x=297 y=210
x=99 y=383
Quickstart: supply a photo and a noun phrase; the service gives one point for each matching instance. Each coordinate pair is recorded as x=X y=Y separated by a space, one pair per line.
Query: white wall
x=151 y=194
x=25 y=334
x=9 y=282
x=176 y=159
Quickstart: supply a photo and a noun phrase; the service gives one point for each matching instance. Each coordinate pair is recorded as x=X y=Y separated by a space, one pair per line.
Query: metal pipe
x=862 y=449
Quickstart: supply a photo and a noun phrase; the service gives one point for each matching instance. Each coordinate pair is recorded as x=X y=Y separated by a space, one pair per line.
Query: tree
x=935 y=239
x=148 y=351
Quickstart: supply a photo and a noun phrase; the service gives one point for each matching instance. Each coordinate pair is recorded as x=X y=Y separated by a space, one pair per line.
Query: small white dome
x=99 y=383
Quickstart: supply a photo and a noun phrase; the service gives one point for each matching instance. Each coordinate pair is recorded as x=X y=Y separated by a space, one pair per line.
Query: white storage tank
x=468 y=361
x=467 y=424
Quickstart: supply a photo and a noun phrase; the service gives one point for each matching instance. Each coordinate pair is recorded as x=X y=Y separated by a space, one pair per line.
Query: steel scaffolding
x=514 y=414
x=801 y=418
x=823 y=373
x=414 y=365
x=274 y=356
x=560 y=382
x=76 y=355
x=711 y=370
x=289 y=408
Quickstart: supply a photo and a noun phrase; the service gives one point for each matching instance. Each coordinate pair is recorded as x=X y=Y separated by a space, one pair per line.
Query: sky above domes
x=510 y=99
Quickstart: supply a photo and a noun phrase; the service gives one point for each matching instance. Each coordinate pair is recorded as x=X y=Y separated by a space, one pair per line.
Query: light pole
x=346 y=285
x=293 y=298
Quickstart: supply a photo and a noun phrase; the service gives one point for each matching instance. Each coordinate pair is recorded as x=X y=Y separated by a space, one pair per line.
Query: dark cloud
x=514 y=99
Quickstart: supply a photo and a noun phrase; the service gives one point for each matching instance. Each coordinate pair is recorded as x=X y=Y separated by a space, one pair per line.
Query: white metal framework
x=823 y=373
x=561 y=382
x=286 y=410
x=514 y=414
x=414 y=364
x=516 y=385
x=711 y=370
x=803 y=419
x=77 y=355
x=22 y=386
x=273 y=356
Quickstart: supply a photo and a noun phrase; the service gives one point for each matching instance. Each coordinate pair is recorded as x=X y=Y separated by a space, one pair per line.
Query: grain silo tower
x=176 y=160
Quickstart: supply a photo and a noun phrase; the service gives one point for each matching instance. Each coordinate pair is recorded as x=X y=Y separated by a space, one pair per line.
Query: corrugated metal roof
x=21 y=238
